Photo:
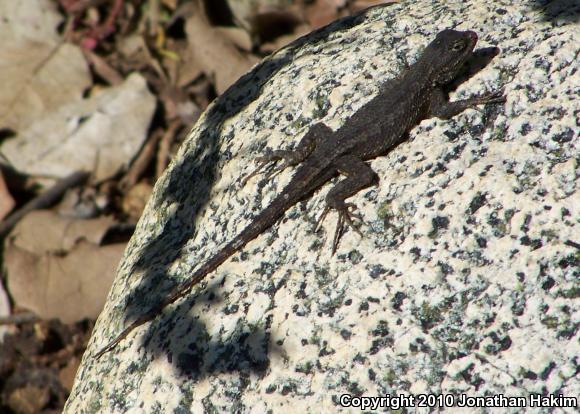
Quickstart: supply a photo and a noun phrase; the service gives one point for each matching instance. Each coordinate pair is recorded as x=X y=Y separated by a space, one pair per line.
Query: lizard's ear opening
x=458 y=45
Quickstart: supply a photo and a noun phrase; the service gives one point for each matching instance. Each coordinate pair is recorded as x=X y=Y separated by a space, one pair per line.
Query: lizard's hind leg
x=293 y=157
x=358 y=176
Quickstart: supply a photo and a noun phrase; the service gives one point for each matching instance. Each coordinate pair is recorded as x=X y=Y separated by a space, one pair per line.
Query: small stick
x=19 y=318
x=43 y=200
x=163 y=156
x=141 y=163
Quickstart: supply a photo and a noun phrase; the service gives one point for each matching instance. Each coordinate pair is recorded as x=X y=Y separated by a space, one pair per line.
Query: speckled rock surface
x=466 y=280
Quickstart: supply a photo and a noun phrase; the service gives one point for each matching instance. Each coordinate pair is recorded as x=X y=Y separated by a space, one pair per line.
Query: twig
x=163 y=156
x=140 y=164
x=43 y=200
x=19 y=318
x=153 y=16
x=102 y=68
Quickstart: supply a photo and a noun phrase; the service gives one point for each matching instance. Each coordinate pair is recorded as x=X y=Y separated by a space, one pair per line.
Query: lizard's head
x=447 y=54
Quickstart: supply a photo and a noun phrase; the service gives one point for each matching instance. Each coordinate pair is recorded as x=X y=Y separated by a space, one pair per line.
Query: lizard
x=372 y=131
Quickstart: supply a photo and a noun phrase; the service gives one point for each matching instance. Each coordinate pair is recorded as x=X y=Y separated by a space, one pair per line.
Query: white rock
x=392 y=313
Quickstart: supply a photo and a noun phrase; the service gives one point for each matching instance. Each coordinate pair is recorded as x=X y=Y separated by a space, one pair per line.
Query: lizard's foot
x=289 y=159
x=345 y=215
x=447 y=110
x=255 y=172
x=491 y=97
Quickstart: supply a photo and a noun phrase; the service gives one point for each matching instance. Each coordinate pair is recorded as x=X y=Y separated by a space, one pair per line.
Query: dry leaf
x=29 y=399
x=58 y=233
x=171 y=4
x=281 y=41
x=6 y=200
x=238 y=36
x=99 y=134
x=245 y=11
x=322 y=12
x=67 y=374
x=135 y=200
x=70 y=287
x=215 y=53
x=187 y=69
x=38 y=72
x=65 y=273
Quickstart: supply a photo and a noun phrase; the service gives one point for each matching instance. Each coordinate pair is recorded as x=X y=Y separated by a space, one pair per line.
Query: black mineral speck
x=398 y=300
x=546 y=373
x=481 y=242
x=355 y=256
x=564 y=137
x=565 y=212
x=500 y=343
x=325 y=351
x=231 y=309
x=288 y=388
x=382 y=329
x=533 y=243
x=548 y=283
x=525 y=227
x=571 y=260
x=440 y=222
x=376 y=271
x=478 y=201
x=445 y=268
x=346 y=334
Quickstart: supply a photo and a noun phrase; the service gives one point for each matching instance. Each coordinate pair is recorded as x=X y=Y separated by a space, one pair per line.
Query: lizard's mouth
x=472 y=36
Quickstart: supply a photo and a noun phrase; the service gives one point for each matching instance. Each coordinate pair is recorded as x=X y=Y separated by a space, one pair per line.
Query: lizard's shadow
x=188 y=188
x=477 y=62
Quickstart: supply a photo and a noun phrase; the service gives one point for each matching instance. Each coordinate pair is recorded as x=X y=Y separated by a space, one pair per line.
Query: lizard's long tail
x=258 y=225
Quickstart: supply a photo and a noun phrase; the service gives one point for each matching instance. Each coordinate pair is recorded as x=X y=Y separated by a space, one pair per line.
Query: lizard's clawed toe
x=253 y=173
x=288 y=157
x=345 y=216
x=349 y=215
x=277 y=170
x=321 y=218
x=494 y=97
x=262 y=162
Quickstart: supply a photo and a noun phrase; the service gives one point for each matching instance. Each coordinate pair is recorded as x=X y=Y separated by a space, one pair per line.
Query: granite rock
x=466 y=280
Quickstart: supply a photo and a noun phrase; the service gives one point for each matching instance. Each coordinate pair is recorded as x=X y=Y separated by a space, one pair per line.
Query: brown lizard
x=374 y=130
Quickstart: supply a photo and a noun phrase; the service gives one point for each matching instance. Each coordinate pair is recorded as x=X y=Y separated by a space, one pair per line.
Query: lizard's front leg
x=293 y=157
x=358 y=176
x=442 y=108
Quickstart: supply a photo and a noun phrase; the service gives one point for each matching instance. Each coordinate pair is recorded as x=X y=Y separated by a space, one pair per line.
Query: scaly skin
x=374 y=130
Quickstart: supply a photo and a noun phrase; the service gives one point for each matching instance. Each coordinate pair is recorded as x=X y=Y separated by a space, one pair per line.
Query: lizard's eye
x=457 y=46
